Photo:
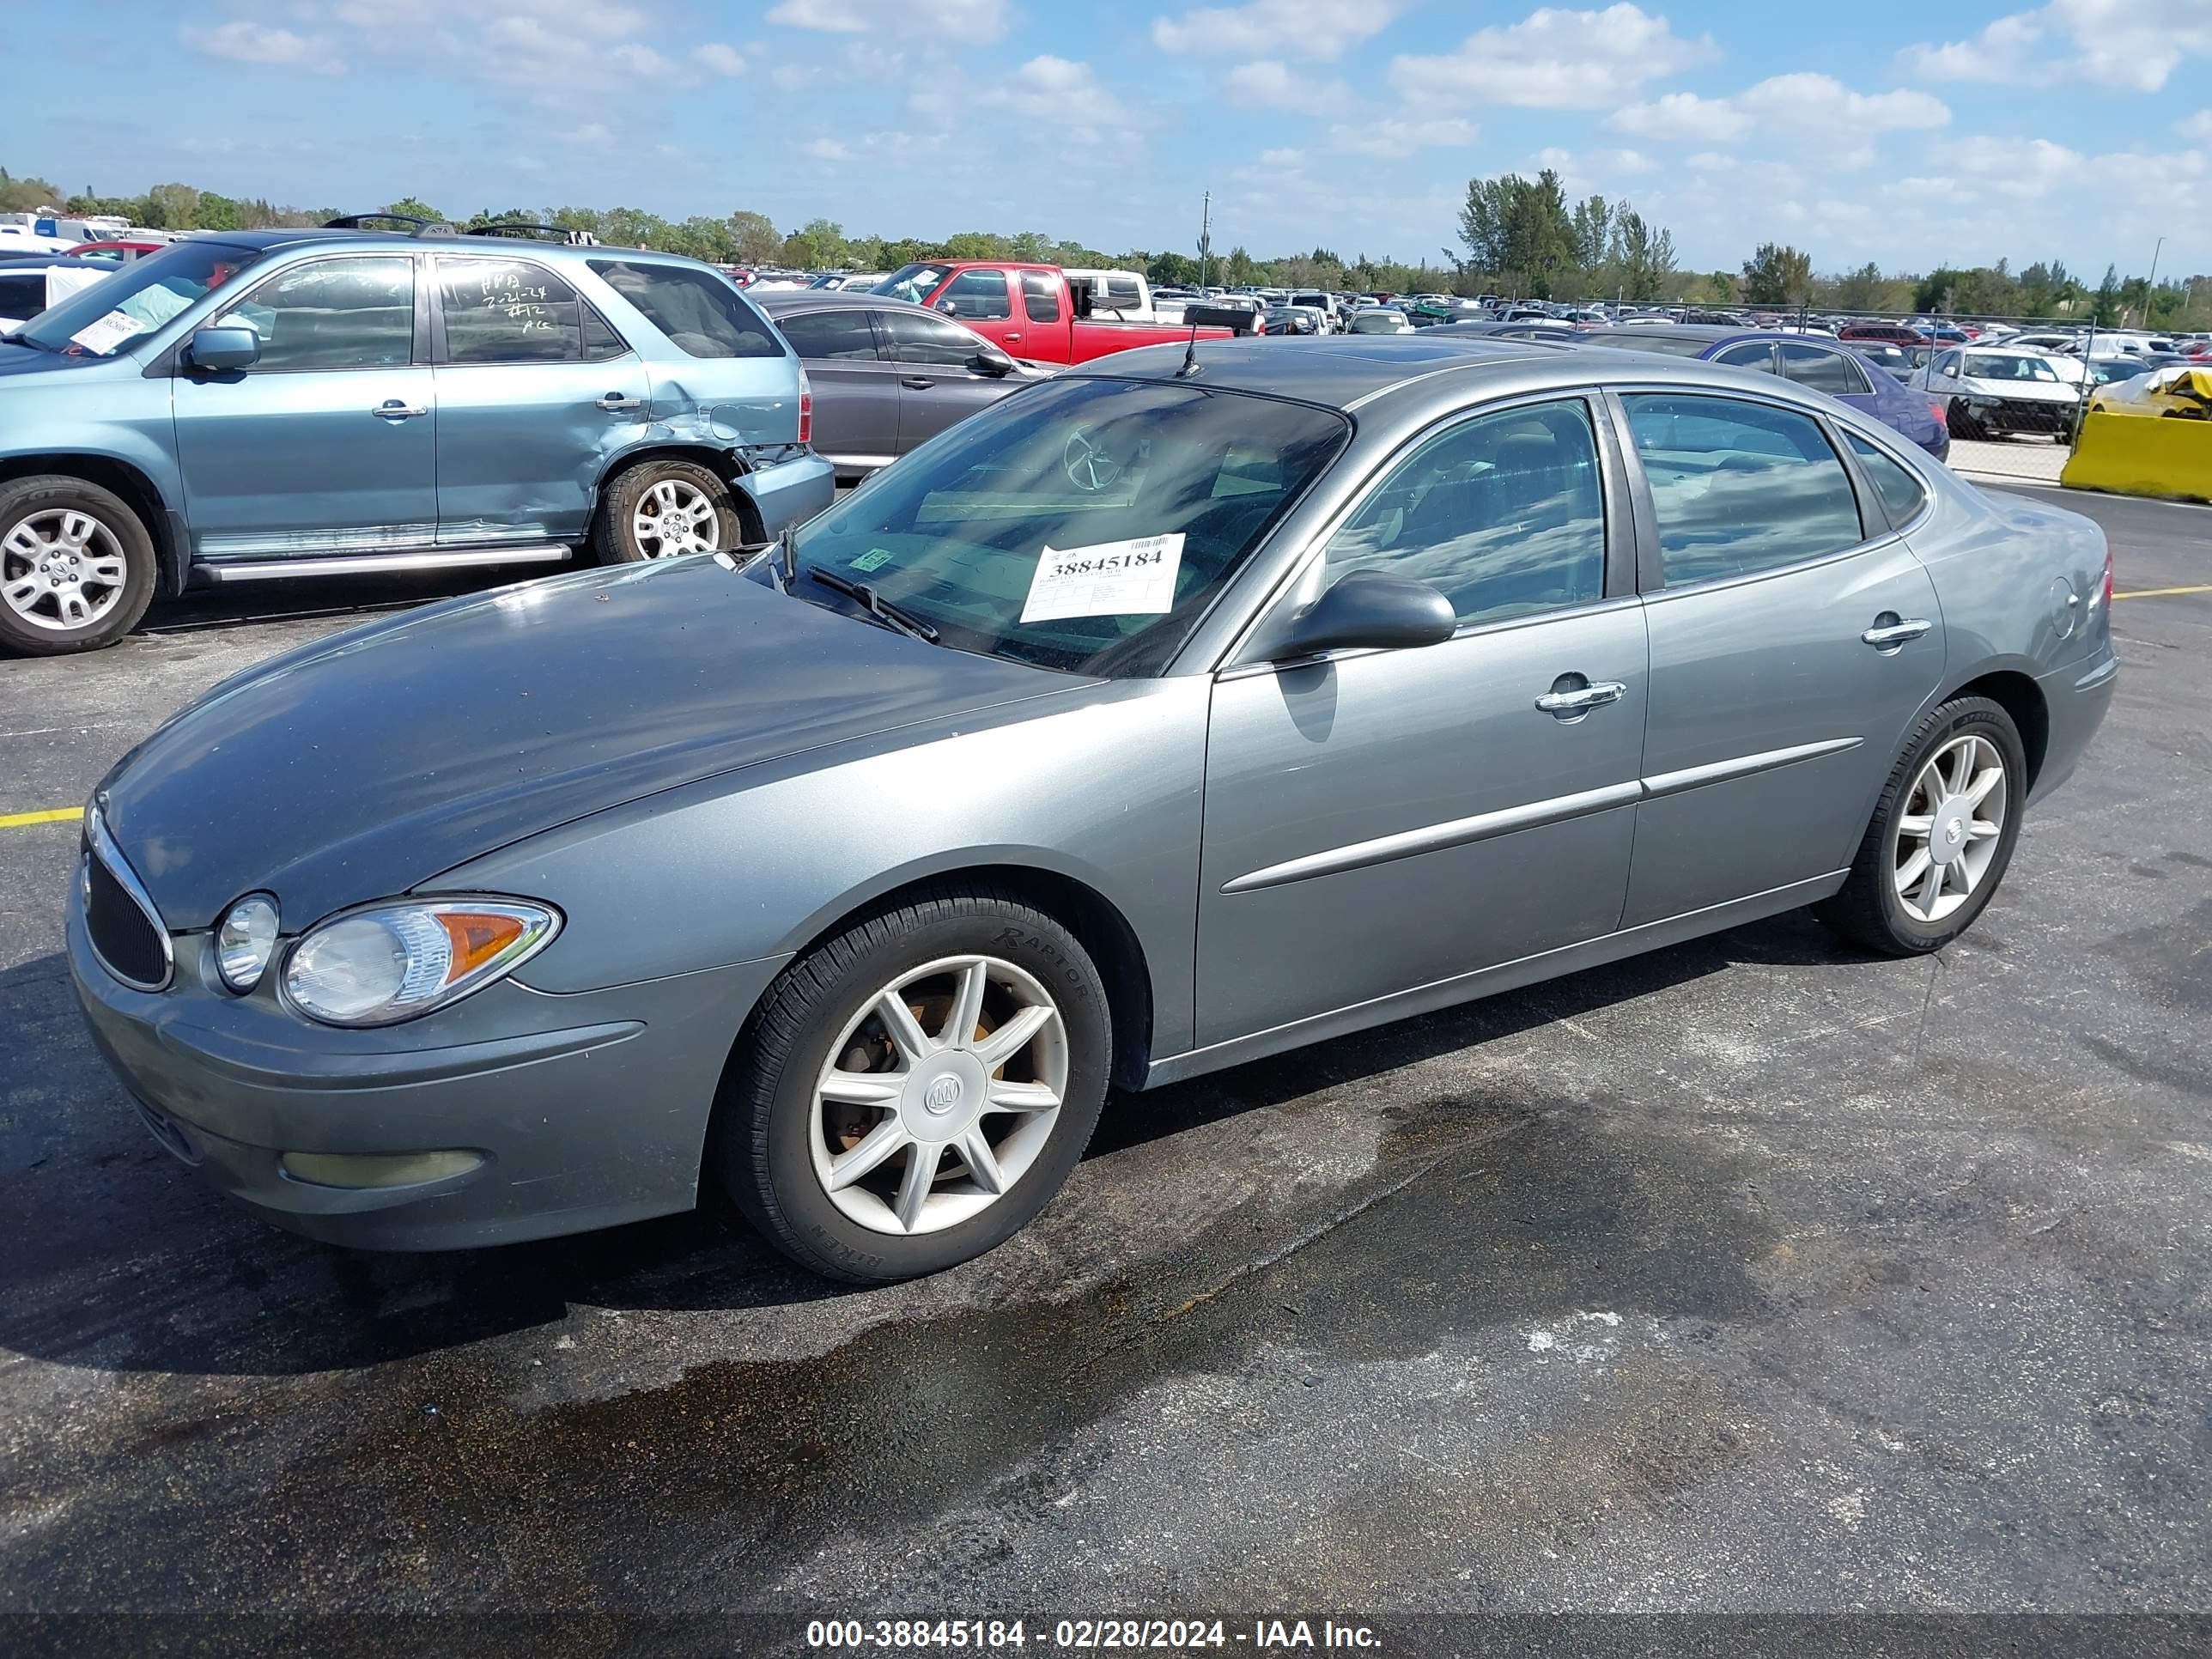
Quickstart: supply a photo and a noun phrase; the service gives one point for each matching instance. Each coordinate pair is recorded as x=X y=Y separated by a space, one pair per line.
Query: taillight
x=806 y=407
x=1940 y=412
x=2108 y=576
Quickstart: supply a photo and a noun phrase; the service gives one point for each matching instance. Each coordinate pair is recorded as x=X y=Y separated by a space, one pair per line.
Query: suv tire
x=817 y=1033
x=76 y=565
x=695 y=506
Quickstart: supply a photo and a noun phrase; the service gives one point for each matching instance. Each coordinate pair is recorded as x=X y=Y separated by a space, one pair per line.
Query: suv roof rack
x=419 y=226
x=525 y=227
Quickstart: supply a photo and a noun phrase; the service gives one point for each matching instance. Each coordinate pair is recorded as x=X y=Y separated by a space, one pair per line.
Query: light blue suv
x=279 y=403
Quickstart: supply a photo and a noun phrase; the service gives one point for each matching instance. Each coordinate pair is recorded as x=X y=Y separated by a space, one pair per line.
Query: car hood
x=365 y=764
x=2026 y=392
x=30 y=360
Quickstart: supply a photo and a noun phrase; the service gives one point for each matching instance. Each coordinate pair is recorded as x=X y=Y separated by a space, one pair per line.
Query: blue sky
x=1911 y=134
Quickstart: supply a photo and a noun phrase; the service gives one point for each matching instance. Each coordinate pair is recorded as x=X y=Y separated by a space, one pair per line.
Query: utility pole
x=1205 y=239
x=2151 y=287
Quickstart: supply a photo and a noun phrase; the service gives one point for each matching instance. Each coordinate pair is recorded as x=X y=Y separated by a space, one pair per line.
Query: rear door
x=938 y=385
x=328 y=444
x=537 y=394
x=1792 y=634
x=856 y=385
x=1046 y=324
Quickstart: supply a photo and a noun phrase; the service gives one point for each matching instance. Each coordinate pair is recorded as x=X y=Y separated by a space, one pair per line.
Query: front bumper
x=587 y=1109
x=791 y=492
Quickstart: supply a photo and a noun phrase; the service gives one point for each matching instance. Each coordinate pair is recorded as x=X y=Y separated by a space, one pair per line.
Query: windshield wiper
x=879 y=607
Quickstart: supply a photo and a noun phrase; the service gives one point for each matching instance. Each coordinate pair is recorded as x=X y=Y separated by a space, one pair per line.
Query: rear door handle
x=917 y=383
x=393 y=410
x=1889 y=633
x=615 y=403
x=1569 y=701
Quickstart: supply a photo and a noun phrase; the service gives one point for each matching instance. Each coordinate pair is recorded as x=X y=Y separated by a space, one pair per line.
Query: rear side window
x=1823 y=370
x=1739 y=487
x=23 y=296
x=976 y=296
x=1901 y=493
x=332 y=314
x=511 y=310
x=831 y=334
x=701 y=314
x=1755 y=353
x=1040 y=297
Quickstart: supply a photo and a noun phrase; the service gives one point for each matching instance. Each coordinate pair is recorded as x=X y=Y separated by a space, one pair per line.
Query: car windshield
x=1993 y=366
x=913 y=283
x=140 y=297
x=1084 y=525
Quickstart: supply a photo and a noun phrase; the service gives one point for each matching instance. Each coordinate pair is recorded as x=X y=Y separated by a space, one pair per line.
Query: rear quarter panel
x=1998 y=562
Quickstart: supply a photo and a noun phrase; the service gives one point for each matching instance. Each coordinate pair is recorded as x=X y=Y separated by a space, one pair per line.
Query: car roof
x=1336 y=371
x=47 y=261
x=778 y=301
x=401 y=242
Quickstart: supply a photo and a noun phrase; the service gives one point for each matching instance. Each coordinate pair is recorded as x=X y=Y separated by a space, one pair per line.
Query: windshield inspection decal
x=1134 y=578
x=109 y=332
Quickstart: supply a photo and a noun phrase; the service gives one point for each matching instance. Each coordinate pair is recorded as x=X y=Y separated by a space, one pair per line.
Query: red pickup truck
x=1032 y=312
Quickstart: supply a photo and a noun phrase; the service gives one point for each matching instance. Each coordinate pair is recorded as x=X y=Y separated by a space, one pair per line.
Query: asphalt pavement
x=1753 y=1275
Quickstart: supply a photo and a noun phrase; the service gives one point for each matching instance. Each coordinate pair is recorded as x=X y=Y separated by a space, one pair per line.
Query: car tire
x=696 y=505
x=1884 y=902
x=76 y=565
x=1963 y=425
x=786 y=1113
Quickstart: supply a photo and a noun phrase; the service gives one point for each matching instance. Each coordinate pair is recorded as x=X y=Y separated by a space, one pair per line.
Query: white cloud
x=2013 y=167
x=1275 y=29
x=545 y=48
x=1554 y=59
x=1270 y=84
x=1397 y=137
x=828 y=149
x=1682 y=116
x=721 y=59
x=975 y=22
x=2135 y=43
x=1064 y=93
x=1287 y=157
x=1595 y=169
x=2198 y=126
x=250 y=43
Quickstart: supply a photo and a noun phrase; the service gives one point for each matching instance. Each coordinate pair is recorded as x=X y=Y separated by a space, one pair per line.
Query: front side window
x=1824 y=371
x=977 y=296
x=332 y=314
x=1503 y=514
x=816 y=335
x=1902 y=493
x=1082 y=525
x=514 y=310
x=918 y=338
x=1739 y=487
x=100 y=320
x=701 y=314
x=1040 y=297
x=2005 y=366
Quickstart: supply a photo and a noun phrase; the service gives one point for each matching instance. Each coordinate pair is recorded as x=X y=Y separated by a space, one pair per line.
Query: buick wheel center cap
x=943 y=1097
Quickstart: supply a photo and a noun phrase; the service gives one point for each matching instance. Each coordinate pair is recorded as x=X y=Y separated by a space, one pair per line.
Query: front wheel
x=1964 y=425
x=663 y=510
x=76 y=565
x=910 y=1093
x=1941 y=835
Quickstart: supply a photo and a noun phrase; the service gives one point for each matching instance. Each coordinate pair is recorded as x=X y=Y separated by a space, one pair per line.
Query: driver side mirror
x=223 y=346
x=1367 y=611
x=995 y=364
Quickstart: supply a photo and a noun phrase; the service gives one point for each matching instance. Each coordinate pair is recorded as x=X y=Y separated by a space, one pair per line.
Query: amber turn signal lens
x=476 y=939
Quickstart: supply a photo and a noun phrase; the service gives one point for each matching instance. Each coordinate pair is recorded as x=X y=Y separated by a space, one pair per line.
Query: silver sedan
x=1188 y=707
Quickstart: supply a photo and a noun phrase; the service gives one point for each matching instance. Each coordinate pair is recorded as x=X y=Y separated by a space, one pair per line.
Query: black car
x=886 y=374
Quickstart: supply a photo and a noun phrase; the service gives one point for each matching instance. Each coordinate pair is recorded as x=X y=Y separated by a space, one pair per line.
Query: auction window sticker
x=104 y=334
x=1132 y=578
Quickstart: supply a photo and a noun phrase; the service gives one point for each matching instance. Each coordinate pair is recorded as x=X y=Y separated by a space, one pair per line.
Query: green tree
x=1777 y=275
x=1643 y=257
x=1860 y=290
x=414 y=207
x=1518 y=232
x=753 y=239
x=1238 y=269
x=25 y=195
x=2107 y=312
x=1171 y=270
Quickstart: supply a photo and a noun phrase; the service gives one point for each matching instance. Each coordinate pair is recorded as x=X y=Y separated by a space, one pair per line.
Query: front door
x=536 y=394
x=982 y=297
x=1380 y=821
x=1791 y=644
x=938 y=384
x=327 y=444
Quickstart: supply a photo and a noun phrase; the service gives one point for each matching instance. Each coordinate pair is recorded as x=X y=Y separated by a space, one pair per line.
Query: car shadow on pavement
x=114 y=1257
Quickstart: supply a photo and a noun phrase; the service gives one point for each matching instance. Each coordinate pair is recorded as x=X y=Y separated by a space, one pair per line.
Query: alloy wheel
x=938 y=1094
x=674 y=518
x=62 y=568
x=1951 y=826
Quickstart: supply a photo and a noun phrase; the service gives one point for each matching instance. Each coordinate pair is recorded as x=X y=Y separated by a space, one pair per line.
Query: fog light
x=381 y=1169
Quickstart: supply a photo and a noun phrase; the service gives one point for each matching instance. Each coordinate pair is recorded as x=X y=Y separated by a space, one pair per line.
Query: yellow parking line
x=52 y=815
x=2164 y=592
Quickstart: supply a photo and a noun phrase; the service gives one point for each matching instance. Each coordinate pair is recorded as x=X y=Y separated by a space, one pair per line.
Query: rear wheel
x=1942 y=837
x=913 y=1091
x=76 y=565
x=665 y=510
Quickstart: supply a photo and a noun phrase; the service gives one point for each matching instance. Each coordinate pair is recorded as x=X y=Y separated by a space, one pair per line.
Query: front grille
x=127 y=938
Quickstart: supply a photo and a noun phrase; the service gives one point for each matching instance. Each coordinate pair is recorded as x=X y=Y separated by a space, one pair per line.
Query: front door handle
x=393 y=410
x=1572 y=697
x=1889 y=633
x=1012 y=339
x=615 y=403
x=917 y=383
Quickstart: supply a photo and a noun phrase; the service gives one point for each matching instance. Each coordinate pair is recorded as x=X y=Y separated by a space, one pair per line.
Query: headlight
x=392 y=962
x=244 y=941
